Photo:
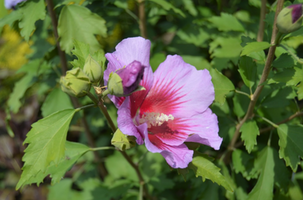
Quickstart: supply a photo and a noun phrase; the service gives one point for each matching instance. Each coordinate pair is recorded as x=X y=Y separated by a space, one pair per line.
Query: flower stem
x=87 y=106
x=142 y=20
x=113 y=127
x=262 y=22
x=270 y=122
x=244 y=93
x=101 y=148
x=260 y=86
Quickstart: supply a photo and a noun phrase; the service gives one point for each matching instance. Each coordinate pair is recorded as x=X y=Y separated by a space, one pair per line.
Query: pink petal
x=179 y=89
x=205 y=129
x=176 y=156
x=127 y=51
x=126 y=124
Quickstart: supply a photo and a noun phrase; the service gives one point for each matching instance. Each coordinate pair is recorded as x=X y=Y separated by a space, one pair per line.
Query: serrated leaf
x=10 y=18
x=31 y=11
x=46 y=142
x=249 y=133
x=167 y=6
x=82 y=51
x=291 y=148
x=227 y=22
x=264 y=187
x=222 y=85
x=73 y=151
x=56 y=100
x=32 y=69
x=248 y=71
x=284 y=61
x=254 y=47
x=203 y=167
x=79 y=23
x=244 y=163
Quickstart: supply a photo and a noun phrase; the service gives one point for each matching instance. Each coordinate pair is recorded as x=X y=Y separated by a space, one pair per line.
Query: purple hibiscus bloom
x=9 y=4
x=172 y=110
x=296 y=12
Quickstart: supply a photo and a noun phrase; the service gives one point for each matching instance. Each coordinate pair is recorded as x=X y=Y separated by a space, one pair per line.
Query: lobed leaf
x=31 y=11
x=73 y=151
x=46 y=144
x=264 y=187
x=222 y=85
x=167 y=6
x=227 y=22
x=249 y=133
x=79 y=23
x=290 y=142
x=203 y=167
x=254 y=47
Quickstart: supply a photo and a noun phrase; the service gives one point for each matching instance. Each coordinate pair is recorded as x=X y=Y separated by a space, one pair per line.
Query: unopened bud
x=75 y=83
x=123 y=142
x=93 y=70
x=290 y=18
x=126 y=80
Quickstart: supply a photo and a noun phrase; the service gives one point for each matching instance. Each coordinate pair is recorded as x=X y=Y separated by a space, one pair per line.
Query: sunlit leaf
x=46 y=142
x=205 y=168
x=249 y=133
x=73 y=151
x=222 y=85
x=254 y=47
x=79 y=23
x=31 y=11
x=264 y=187
x=291 y=148
x=227 y=22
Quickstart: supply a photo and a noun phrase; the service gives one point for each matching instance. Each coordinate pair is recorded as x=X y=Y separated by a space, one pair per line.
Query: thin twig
x=113 y=127
x=142 y=20
x=265 y=73
x=53 y=17
x=262 y=22
x=297 y=114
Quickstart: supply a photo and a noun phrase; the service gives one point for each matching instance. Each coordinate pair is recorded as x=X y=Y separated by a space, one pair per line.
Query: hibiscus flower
x=172 y=110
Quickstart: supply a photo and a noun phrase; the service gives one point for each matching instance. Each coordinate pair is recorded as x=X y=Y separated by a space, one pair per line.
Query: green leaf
x=240 y=104
x=32 y=69
x=254 y=47
x=73 y=151
x=226 y=22
x=56 y=100
x=46 y=143
x=264 y=187
x=244 y=163
x=82 y=51
x=156 y=60
x=248 y=71
x=9 y=19
x=203 y=167
x=167 y=6
x=222 y=85
x=291 y=148
x=79 y=23
x=32 y=11
x=249 y=134
x=190 y=7
x=284 y=61
x=7 y=122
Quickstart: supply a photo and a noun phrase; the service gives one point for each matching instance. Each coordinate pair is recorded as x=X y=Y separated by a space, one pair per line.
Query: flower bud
x=75 y=83
x=126 y=80
x=290 y=18
x=123 y=142
x=93 y=70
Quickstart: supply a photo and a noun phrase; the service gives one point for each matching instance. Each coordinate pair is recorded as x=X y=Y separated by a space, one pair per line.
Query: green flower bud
x=123 y=142
x=290 y=18
x=115 y=85
x=93 y=70
x=75 y=83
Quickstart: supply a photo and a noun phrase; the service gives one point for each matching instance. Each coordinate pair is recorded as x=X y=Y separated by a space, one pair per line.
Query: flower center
x=155 y=119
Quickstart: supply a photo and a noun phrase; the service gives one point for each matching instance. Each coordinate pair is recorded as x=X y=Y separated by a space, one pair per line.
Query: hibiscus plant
x=155 y=99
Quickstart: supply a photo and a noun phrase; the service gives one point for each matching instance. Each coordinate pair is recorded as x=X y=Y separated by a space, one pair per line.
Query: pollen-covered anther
x=155 y=119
